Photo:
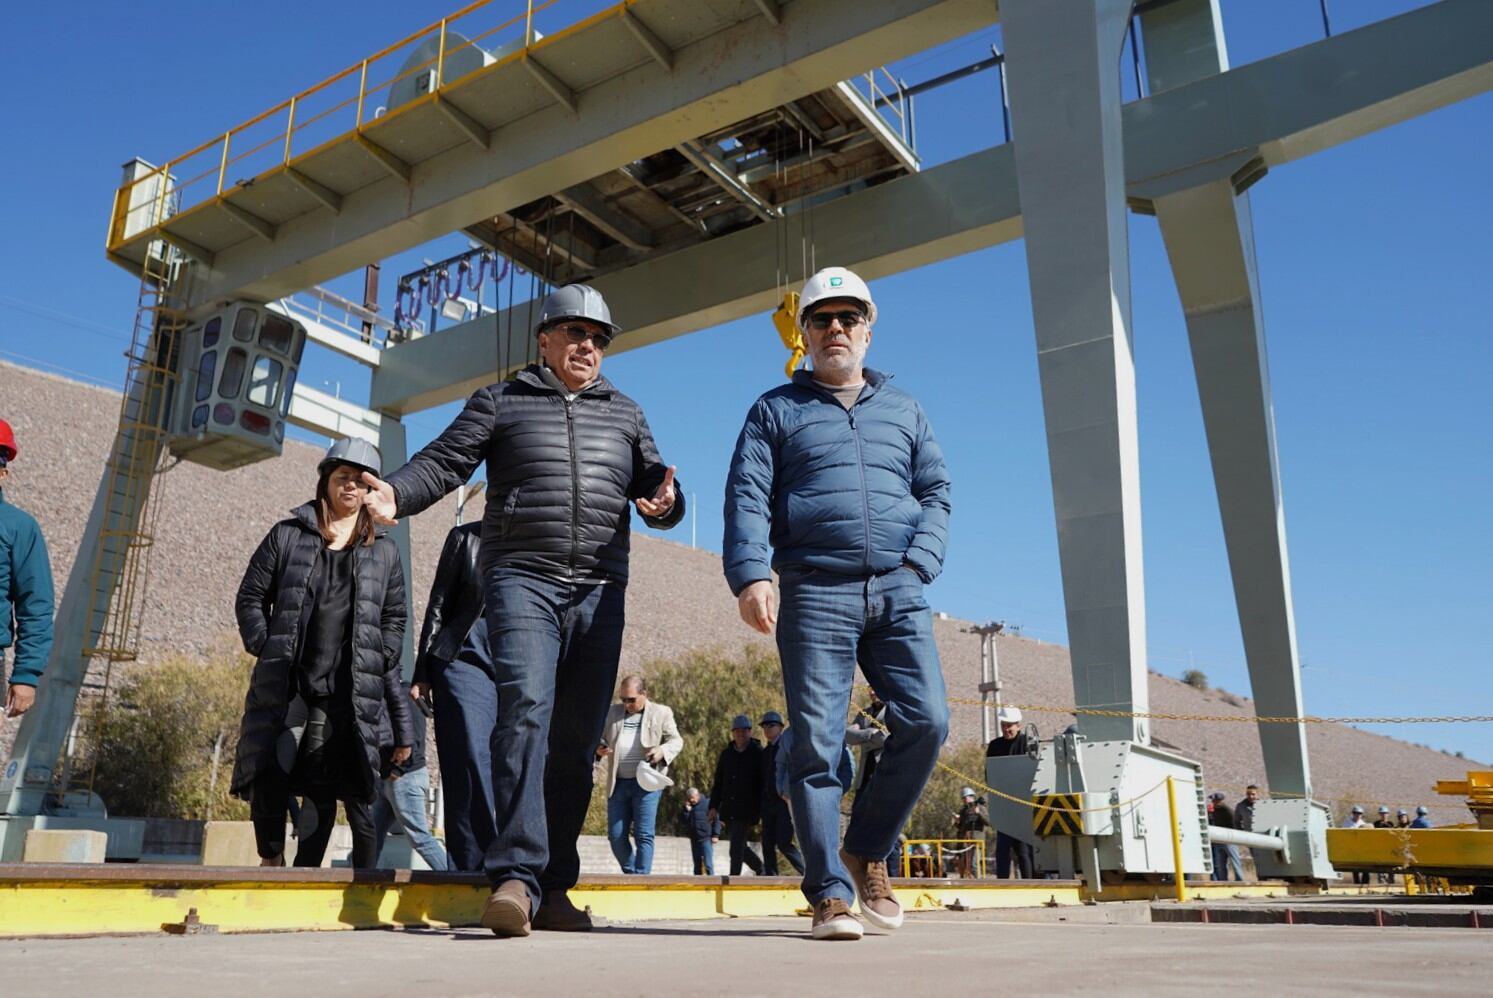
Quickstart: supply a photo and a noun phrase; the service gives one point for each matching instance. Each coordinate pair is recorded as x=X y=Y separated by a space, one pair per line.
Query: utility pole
x=990 y=676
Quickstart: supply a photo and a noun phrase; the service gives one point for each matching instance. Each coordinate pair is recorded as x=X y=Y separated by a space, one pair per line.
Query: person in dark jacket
x=454 y=672
x=704 y=832
x=1012 y=741
x=777 y=819
x=838 y=484
x=736 y=792
x=322 y=609
x=25 y=592
x=568 y=457
x=1226 y=858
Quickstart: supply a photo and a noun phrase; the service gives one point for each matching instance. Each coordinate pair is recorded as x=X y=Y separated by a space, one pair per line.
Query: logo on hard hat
x=835 y=282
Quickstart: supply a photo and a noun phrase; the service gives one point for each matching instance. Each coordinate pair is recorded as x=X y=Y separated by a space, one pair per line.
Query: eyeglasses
x=848 y=320
x=631 y=699
x=600 y=338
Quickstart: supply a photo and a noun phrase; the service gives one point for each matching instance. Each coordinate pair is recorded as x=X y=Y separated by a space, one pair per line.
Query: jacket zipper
x=860 y=463
x=575 y=487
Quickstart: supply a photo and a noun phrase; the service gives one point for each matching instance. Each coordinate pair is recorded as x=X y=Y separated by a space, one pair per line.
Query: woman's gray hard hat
x=576 y=301
x=354 y=451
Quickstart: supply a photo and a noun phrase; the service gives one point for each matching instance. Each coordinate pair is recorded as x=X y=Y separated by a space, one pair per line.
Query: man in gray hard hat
x=838 y=485
x=568 y=456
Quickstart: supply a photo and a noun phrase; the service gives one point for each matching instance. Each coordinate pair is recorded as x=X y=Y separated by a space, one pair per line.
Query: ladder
x=119 y=562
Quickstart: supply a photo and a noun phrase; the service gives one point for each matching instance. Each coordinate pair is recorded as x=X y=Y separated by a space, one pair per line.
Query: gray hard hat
x=771 y=717
x=576 y=301
x=1422 y=810
x=354 y=451
x=741 y=721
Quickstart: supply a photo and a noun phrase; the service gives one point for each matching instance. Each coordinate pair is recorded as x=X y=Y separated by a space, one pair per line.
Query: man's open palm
x=379 y=499
x=663 y=499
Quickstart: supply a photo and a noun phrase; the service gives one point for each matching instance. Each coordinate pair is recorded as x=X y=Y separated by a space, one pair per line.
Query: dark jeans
x=777 y=836
x=466 y=714
x=271 y=805
x=1008 y=848
x=702 y=851
x=554 y=649
x=738 y=831
x=826 y=625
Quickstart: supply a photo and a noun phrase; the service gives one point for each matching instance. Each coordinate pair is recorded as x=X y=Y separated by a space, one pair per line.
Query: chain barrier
x=1236 y=718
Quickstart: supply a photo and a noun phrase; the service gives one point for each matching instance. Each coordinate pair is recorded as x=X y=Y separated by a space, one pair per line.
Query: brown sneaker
x=873 y=889
x=557 y=914
x=507 y=911
x=833 y=920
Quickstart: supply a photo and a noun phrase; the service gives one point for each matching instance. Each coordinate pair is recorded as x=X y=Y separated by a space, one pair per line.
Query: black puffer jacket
x=561 y=475
x=455 y=601
x=270 y=610
x=736 y=792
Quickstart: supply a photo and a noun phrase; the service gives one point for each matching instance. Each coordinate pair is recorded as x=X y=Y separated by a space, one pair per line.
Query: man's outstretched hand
x=662 y=501
x=758 y=605
x=379 y=499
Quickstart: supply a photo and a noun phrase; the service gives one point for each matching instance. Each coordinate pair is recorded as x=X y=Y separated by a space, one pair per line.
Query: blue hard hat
x=741 y=721
x=771 y=717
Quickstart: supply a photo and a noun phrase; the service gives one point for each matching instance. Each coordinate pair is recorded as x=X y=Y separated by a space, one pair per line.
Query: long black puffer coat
x=270 y=604
x=561 y=475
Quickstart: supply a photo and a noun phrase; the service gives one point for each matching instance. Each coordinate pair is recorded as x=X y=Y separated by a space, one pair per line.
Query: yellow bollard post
x=1171 y=805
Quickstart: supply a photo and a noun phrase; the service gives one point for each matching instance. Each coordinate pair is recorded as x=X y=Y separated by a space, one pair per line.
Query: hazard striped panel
x=1058 y=814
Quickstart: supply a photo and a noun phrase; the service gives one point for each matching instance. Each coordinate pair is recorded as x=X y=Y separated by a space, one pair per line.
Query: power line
x=45 y=312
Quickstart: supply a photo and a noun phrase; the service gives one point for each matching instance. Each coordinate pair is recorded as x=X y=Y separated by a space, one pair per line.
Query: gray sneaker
x=873 y=889
x=833 y=920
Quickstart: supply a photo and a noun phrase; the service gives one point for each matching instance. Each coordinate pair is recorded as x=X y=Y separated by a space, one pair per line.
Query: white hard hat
x=651 y=779
x=834 y=282
x=1008 y=715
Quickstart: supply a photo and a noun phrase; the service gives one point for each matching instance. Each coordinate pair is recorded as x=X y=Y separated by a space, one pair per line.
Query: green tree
x=155 y=743
x=1196 y=678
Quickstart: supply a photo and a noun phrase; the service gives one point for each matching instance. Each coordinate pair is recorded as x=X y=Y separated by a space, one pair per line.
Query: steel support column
x=1063 y=62
x=1209 y=239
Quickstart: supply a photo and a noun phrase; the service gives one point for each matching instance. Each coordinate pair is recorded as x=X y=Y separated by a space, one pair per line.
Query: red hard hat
x=7 y=441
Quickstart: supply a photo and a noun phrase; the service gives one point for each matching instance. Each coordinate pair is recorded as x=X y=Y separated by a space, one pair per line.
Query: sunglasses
x=580 y=334
x=631 y=699
x=848 y=320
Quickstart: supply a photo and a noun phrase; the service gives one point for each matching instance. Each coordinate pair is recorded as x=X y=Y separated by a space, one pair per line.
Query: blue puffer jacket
x=855 y=492
x=25 y=595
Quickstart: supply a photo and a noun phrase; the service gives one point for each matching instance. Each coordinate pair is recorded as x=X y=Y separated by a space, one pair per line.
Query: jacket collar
x=534 y=376
x=874 y=380
x=305 y=515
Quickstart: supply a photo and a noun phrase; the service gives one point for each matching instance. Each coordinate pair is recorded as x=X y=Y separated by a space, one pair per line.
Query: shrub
x=1196 y=678
x=155 y=743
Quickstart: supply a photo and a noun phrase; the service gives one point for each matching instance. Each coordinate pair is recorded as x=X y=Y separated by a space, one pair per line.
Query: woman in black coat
x=322 y=609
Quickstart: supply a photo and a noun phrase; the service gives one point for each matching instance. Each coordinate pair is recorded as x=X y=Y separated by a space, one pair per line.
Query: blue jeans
x=1225 y=861
x=631 y=815
x=466 y=712
x=827 y=624
x=554 y=649
x=403 y=800
x=702 y=851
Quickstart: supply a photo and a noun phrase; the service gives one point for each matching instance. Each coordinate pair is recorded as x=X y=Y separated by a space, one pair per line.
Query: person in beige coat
x=636 y=731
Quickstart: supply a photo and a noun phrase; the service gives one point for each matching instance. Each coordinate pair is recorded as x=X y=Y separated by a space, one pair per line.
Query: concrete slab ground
x=940 y=953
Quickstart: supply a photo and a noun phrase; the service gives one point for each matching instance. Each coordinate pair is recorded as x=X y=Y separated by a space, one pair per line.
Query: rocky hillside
x=210 y=522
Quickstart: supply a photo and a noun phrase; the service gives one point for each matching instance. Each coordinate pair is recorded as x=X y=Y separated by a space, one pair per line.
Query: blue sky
x=1373 y=260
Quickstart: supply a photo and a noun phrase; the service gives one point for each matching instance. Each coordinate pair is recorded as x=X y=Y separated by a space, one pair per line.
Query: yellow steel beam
x=1468 y=849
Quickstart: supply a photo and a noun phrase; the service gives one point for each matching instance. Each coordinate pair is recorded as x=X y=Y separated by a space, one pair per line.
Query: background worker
x=25 y=592
x=736 y=792
x=1226 y=859
x=569 y=457
x=777 y=819
x=704 y=831
x=454 y=674
x=1422 y=818
x=1384 y=821
x=404 y=797
x=970 y=821
x=637 y=730
x=1012 y=741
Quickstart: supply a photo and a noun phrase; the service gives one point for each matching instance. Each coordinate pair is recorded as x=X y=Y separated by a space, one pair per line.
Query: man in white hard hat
x=838 y=484
x=1011 y=741
x=568 y=458
x=637 y=732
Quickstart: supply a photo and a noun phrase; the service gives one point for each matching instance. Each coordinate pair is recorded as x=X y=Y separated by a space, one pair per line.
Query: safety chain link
x=1237 y=718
